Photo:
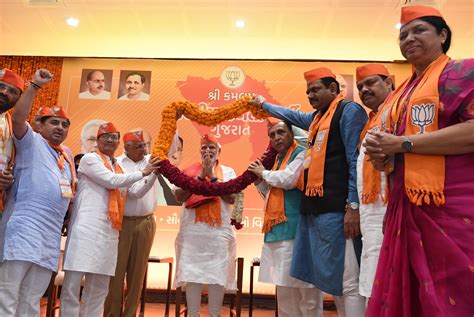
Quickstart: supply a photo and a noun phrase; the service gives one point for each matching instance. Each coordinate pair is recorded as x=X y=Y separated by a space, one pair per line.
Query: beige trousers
x=135 y=241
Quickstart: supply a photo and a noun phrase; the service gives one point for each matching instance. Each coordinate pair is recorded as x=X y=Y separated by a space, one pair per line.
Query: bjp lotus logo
x=320 y=139
x=232 y=77
x=422 y=116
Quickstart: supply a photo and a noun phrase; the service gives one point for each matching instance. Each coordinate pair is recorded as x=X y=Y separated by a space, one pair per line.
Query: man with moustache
x=134 y=85
x=328 y=236
x=11 y=87
x=95 y=82
x=281 y=218
x=91 y=250
x=30 y=232
x=374 y=85
x=138 y=230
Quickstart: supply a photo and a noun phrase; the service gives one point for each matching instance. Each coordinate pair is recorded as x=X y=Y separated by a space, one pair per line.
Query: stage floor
x=158 y=309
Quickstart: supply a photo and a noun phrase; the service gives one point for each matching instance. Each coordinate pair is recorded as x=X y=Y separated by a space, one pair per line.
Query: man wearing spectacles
x=95 y=224
x=95 y=83
x=138 y=231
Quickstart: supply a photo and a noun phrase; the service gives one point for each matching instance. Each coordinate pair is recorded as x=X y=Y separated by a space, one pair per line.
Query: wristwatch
x=354 y=205
x=407 y=145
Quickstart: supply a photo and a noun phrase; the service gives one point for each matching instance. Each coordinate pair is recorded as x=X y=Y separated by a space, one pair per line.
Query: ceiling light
x=398 y=26
x=240 y=24
x=72 y=22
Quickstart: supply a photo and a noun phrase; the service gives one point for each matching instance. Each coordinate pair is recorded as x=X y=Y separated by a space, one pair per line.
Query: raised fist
x=42 y=76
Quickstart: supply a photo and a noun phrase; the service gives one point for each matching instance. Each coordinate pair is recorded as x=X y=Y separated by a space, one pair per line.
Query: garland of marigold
x=208 y=118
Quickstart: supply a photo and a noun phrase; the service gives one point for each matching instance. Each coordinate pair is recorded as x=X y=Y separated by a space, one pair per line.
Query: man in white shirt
x=138 y=230
x=374 y=85
x=95 y=82
x=281 y=217
x=134 y=85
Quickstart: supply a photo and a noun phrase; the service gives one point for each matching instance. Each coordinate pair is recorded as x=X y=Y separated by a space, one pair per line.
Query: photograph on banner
x=134 y=85
x=89 y=135
x=346 y=84
x=95 y=84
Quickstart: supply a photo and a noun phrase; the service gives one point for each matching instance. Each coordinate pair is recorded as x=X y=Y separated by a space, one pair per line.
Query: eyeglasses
x=113 y=137
x=11 y=90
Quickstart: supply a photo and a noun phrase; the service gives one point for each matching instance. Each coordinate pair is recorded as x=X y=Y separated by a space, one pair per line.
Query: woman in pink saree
x=426 y=264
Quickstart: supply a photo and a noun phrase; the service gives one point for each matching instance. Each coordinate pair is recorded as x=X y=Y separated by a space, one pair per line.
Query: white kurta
x=92 y=243
x=206 y=254
x=371 y=221
x=275 y=262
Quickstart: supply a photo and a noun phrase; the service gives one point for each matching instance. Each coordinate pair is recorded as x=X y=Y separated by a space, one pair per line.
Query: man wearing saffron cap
x=205 y=244
x=426 y=265
x=138 y=230
x=282 y=215
x=328 y=234
x=11 y=86
x=91 y=249
x=30 y=232
x=374 y=85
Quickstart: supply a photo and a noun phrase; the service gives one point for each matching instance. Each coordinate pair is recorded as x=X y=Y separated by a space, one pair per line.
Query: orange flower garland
x=208 y=118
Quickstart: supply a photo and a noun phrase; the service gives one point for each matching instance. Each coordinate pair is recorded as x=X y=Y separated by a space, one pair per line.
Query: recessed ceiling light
x=398 y=26
x=71 y=21
x=240 y=24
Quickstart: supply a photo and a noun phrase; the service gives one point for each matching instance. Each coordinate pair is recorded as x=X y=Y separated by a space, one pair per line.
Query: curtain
x=26 y=66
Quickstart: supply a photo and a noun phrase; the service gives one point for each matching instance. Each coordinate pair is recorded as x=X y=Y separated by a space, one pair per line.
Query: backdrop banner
x=132 y=92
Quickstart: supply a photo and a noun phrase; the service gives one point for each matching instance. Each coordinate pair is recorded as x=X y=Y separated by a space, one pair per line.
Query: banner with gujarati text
x=132 y=92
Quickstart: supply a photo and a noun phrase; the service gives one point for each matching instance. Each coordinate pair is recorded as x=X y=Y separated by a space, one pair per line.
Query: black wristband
x=215 y=179
x=200 y=178
x=35 y=85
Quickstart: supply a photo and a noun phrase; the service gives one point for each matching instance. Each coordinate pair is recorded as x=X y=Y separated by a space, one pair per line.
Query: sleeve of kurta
x=93 y=167
x=353 y=120
x=297 y=118
x=26 y=141
x=263 y=188
x=286 y=178
x=140 y=188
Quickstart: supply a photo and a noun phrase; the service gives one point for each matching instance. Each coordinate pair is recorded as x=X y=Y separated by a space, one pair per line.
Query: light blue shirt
x=352 y=121
x=31 y=225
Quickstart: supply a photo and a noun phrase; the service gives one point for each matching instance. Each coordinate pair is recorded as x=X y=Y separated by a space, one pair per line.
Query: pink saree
x=426 y=264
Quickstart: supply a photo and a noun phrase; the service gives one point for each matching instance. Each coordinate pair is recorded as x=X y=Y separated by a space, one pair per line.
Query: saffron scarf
x=424 y=174
x=116 y=198
x=64 y=157
x=371 y=177
x=275 y=203
x=8 y=135
x=315 y=155
x=207 y=209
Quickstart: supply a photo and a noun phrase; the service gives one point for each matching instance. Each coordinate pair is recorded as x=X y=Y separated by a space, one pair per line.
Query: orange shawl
x=64 y=157
x=207 y=209
x=371 y=177
x=116 y=198
x=275 y=203
x=315 y=156
x=424 y=174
